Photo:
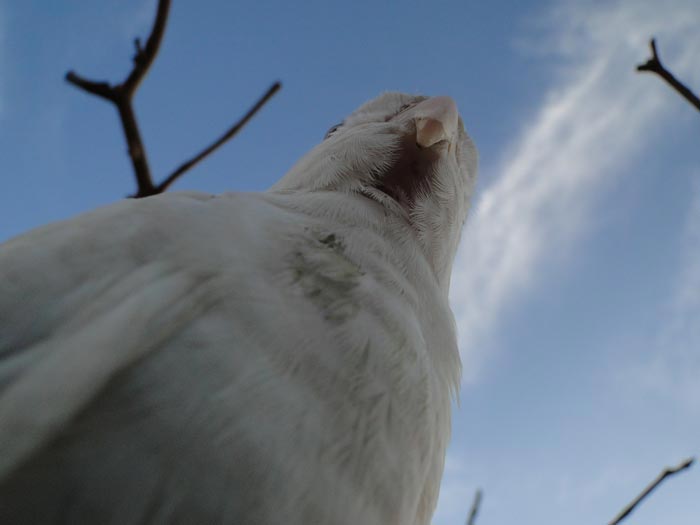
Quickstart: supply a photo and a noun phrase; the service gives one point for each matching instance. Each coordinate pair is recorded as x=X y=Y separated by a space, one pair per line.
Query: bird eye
x=332 y=130
x=403 y=108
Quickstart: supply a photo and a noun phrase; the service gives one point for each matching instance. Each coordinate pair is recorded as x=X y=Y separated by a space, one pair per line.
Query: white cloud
x=674 y=367
x=686 y=320
x=596 y=116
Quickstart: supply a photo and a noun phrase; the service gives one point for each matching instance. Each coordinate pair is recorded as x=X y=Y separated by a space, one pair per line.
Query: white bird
x=285 y=357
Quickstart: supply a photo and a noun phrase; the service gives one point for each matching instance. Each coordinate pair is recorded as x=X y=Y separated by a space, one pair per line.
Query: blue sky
x=577 y=285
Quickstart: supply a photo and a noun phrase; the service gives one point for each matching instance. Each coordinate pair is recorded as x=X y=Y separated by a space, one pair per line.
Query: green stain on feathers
x=326 y=276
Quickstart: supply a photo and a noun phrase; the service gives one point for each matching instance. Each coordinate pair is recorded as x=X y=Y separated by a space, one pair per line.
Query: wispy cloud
x=596 y=117
x=597 y=114
x=674 y=366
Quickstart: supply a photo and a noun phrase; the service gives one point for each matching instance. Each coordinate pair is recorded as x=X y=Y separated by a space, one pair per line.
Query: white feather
x=279 y=357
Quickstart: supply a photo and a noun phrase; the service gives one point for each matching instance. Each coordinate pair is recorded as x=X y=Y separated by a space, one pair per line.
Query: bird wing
x=260 y=342
x=82 y=300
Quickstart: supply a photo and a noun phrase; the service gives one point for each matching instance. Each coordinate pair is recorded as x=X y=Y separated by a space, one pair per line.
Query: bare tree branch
x=145 y=56
x=100 y=89
x=654 y=65
x=471 y=520
x=121 y=95
x=221 y=140
x=668 y=471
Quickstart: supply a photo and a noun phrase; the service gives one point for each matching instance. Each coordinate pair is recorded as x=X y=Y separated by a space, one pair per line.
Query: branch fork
x=667 y=472
x=654 y=65
x=122 y=95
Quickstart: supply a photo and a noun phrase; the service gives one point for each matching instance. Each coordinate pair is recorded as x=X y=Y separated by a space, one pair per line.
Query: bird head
x=409 y=155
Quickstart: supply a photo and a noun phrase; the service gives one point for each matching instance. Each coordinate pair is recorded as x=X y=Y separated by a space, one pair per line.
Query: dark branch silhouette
x=471 y=520
x=121 y=95
x=225 y=137
x=654 y=65
x=668 y=471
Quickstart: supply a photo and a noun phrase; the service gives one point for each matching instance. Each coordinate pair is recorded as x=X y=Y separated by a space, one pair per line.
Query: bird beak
x=436 y=120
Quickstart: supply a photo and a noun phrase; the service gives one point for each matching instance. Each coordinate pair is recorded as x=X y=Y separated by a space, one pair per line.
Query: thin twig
x=654 y=65
x=221 y=140
x=100 y=89
x=668 y=471
x=121 y=95
x=471 y=520
x=145 y=56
